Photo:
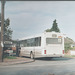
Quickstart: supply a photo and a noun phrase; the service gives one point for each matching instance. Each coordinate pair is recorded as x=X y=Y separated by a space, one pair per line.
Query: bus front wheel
x=31 y=55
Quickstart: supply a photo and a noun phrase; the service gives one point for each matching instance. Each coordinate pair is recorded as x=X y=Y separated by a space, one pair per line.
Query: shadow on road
x=53 y=58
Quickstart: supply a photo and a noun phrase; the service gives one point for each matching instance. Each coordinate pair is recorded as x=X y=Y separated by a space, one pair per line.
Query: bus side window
x=38 y=41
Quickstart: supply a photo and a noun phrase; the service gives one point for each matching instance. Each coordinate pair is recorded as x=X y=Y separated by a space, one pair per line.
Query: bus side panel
x=25 y=51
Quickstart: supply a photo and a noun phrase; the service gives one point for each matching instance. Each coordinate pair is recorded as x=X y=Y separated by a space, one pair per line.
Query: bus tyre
x=31 y=55
x=20 y=55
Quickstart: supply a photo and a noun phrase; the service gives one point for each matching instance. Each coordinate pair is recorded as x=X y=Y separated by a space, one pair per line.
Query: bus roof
x=39 y=35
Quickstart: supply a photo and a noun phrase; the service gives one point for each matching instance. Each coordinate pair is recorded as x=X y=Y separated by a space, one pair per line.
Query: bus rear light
x=44 y=51
x=63 y=51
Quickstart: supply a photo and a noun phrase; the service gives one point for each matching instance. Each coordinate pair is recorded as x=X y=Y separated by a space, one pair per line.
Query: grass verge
x=69 y=56
x=11 y=57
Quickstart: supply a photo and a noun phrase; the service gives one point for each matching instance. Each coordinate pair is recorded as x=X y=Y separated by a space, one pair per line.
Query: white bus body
x=47 y=44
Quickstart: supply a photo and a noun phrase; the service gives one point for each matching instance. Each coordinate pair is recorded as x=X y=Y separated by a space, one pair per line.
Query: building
x=72 y=45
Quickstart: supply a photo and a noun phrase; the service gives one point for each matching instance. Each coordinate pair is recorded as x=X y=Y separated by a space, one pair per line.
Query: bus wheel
x=20 y=55
x=31 y=55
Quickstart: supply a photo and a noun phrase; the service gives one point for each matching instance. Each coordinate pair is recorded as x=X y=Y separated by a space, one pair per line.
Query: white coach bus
x=47 y=44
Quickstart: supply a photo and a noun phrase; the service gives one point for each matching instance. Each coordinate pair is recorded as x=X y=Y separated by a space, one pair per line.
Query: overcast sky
x=33 y=17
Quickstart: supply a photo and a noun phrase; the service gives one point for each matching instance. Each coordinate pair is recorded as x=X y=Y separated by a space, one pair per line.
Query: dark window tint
x=53 y=40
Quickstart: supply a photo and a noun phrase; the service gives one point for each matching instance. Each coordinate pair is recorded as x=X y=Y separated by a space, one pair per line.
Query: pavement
x=18 y=60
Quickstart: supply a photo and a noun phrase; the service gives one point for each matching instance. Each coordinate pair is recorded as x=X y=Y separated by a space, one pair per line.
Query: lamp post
x=2 y=30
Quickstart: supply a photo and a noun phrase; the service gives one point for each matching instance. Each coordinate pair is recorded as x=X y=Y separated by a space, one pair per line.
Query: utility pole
x=2 y=30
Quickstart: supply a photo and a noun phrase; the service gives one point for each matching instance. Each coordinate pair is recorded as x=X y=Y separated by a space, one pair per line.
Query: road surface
x=42 y=66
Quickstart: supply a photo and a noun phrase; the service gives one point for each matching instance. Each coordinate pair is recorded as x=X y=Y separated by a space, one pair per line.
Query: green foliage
x=69 y=55
x=67 y=47
x=54 y=27
x=10 y=57
x=7 y=30
x=48 y=30
x=68 y=41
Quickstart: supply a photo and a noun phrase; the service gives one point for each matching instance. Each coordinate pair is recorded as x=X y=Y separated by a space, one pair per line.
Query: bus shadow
x=53 y=59
x=50 y=58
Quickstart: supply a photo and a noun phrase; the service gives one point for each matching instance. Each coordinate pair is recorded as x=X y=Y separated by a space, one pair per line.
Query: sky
x=28 y=18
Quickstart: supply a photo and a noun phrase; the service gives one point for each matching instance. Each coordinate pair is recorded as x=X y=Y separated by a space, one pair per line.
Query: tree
x=7 y=30
x=67 y=42
x=54 y=27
